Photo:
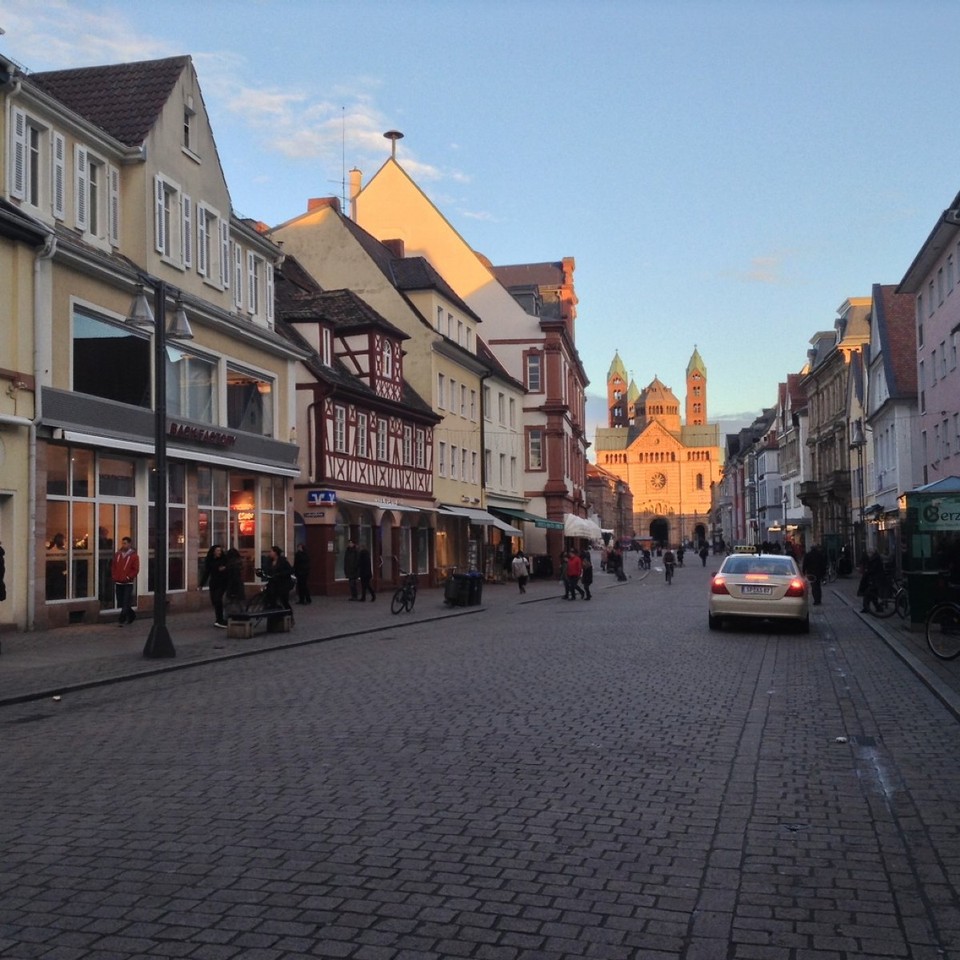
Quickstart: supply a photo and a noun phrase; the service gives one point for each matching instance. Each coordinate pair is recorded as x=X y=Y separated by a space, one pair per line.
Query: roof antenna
x=393 y=136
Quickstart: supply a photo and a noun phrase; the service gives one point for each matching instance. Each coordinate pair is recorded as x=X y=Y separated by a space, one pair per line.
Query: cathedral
x=669 y=463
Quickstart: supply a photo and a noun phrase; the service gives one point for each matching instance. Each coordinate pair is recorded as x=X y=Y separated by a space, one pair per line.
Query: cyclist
x=669 y=560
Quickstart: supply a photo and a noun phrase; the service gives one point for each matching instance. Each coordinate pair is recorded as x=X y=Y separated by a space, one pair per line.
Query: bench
x=241 y=625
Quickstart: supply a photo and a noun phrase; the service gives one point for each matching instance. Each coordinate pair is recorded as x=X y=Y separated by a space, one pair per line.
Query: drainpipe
x=39 y=375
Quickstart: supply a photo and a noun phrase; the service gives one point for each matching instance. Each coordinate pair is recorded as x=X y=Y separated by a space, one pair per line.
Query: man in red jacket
x=574 y=571
x=124 y=569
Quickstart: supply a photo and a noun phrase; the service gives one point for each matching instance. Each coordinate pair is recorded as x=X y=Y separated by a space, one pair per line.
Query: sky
x=725 y=174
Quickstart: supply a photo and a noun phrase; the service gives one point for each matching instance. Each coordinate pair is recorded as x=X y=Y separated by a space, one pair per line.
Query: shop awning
x=481 y=518
x=531 y=518
x=574 y=526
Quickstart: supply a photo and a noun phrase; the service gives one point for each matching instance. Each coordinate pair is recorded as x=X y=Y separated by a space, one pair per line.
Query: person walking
x=680 y=552
x=871 y=580
x=365 y=573
x=520 y=568
x=301 y=570
x=124 y=569
x=235 y=596
x=704 y=553
x=815 y=569
x=351 y=568
x=586 y=577
x=216 y=576
x=574 y=570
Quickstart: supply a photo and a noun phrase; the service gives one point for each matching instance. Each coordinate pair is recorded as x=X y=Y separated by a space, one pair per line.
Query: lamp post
x=159 y=642
x=858 y=442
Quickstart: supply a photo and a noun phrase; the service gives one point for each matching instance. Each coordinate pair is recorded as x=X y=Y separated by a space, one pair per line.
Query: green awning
x=531 y=517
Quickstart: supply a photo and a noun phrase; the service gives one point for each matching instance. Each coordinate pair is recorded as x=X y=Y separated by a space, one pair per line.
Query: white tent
x=574 y=526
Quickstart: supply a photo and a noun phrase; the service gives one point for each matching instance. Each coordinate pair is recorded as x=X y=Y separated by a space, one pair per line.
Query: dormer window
x=387 y=360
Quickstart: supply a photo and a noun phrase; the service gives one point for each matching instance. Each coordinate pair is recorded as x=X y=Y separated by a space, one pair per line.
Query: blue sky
x=725 y=174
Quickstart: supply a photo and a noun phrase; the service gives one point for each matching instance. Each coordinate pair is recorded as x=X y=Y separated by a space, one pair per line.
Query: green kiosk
x=930 y=543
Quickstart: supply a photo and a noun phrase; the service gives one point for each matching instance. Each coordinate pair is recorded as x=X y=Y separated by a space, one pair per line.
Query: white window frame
x=340 y=428
x=382 y=439
x=362 y=435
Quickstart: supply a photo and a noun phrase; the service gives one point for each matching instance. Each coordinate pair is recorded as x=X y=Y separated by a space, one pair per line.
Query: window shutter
x=225 y=254
x=203 y=267
x=268 y=269
x=159 y=224
x=81 y=195
x=251 y=283
x=237 y=276
x=186 y=205
x=113 y=175
x=18 y=187
x=59 y=172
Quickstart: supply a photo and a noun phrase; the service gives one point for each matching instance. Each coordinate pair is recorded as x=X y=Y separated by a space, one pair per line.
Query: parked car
x=759 y=587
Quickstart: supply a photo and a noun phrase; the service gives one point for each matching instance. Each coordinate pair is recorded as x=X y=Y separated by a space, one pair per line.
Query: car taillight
x=797 y=588
x=718 y=585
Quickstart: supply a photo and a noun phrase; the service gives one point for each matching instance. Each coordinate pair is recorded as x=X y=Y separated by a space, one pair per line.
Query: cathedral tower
x=696 y=391
x=617 y=393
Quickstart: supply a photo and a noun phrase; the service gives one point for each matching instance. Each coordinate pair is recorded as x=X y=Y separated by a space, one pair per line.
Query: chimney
x=318 y=203
x=356 y=183
x=395 y=247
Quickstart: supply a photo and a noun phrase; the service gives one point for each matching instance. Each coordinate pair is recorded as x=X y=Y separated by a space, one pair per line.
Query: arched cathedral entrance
x=660 y=531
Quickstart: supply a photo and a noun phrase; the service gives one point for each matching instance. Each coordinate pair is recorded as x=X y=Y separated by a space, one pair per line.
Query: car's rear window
x=776 y=566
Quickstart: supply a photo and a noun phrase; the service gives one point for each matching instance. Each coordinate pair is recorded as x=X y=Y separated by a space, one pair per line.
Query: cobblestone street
x=540 y=779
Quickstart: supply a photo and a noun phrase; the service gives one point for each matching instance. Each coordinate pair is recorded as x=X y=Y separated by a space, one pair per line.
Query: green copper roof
x=696 y=363
x=617 y=368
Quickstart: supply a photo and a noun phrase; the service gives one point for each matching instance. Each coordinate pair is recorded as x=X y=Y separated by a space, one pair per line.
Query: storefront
x=482 y=540
x=97 y=485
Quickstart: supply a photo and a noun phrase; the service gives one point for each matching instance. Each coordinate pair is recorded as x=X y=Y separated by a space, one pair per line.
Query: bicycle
x=405 y=596
x=943 y=630
x=881 y=599
x=668 y=570
x=643 y=567
x=831 y=572
x=901 y=599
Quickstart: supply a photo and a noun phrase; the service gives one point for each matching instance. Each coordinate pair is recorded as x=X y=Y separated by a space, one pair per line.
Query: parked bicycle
x=644 y=566
x=943 y=630
x=405 y=596
x=881 y=598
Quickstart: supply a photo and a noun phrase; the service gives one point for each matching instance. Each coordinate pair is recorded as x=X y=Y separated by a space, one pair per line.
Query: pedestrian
x=235 y=597
x=871 y=580
x=574 y=570
x=365 y=572
x=680 y=552
x=124 y=569
x=521 y=570
x=563 y=576
x=704 y=553
x=586 y=577
x=301 y=570
x=815 y=569
x=216 y=576
x=351 y=568
x=278 y=575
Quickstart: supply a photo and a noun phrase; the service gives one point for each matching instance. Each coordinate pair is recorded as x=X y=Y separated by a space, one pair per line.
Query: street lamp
x=159 y=643
x=858 y=442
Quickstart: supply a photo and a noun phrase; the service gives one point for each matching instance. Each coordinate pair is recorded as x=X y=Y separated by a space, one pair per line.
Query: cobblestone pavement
x=530 y=778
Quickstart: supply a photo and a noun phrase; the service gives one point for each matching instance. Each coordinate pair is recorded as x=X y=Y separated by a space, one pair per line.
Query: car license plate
x=754 y=590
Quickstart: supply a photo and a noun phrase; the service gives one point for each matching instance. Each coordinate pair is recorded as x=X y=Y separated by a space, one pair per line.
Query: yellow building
x=668 y=462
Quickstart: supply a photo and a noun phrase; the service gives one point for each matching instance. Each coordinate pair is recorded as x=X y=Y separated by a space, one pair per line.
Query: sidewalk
x=48 y=663
x=908 y=641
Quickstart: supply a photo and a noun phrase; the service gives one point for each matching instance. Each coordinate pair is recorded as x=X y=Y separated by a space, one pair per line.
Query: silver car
x=764 y=587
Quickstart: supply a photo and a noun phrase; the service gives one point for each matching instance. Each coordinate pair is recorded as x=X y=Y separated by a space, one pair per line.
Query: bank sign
x=940 y=514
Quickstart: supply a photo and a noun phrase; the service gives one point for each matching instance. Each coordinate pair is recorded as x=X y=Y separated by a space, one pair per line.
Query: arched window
x=388 y=359
x=699 y=481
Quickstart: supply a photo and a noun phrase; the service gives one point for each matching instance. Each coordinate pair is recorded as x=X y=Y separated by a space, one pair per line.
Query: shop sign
x=940 y=514
x=203 y=435
x=314 y=514
x=325 y=497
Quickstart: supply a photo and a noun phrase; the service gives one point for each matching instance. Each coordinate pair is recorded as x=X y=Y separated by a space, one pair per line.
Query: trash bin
x=543 y=566
x=474 y=589
x=456 y=590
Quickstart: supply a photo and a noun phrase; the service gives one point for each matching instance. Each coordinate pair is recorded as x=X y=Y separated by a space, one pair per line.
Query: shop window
x=249 y=402
x=191 y=386
x=110 y=360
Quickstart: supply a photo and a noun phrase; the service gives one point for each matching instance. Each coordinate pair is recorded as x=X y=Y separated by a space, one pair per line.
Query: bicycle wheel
x=643 y=572
x=831 y=573
x=399 y=601
x=902 y=602
x=257 y=603
x=882 y=603
x=943 y=631
x=411 y=597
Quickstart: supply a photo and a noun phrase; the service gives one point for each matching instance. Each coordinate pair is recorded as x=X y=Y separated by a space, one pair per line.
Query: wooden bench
x=241 y=625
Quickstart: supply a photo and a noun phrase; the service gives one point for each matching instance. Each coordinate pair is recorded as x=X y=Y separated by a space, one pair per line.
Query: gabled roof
x=418 y=273
x=656 y=390
x=897 y=330
x=122 y=99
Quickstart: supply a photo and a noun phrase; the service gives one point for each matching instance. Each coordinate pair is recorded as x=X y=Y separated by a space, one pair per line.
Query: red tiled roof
x=122 y=99
x=896 y=324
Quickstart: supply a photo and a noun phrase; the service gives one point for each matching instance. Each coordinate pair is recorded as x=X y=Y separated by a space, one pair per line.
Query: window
x=441 y=390
x=930 y=299
x=486 y=403
x=487 y=464
x=168 y=220
x=387 y=360
x=503 y=470
x=463 y=464
x=513 y=414
x=534 y=372
x=699 y=483
x=922 y=386
x=453 y=462
x=953 y=352
x=473 y=405
x=501 y=409
x=96 y=196
x=919 y=319
x=460 y=332
x=463 y=399
x=450 y=325
x=259 y=287
x=940 y=291
x=212 y=259
x=440 y=319
x=452 y=402
x=249 y=402
x=340 y=429
x=535 y=449
x=441 y=459
x=189 y=134
x=192 y=386
x=110 y=360
x=382 y=438
x=408 y=446
x=513 y=473
x=950 y=280
x=362 y=435
x=326 y=346
x=420 y=450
